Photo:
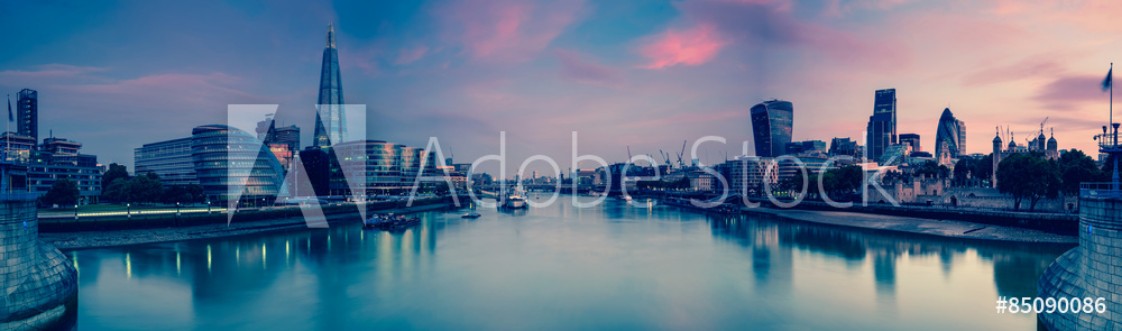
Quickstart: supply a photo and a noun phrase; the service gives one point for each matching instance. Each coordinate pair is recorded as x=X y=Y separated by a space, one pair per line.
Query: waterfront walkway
x=111 y=238
x=935 y=227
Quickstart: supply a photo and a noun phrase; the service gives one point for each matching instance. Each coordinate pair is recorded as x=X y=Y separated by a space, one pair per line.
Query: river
x=614 y=266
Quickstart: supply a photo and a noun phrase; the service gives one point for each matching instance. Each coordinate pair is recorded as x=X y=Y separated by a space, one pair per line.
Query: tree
x=1076 y=167
x=117 y=191
x=842 y=182
x=63 y=192
x=114 y=172
x=145 y=188
x=1028 y=176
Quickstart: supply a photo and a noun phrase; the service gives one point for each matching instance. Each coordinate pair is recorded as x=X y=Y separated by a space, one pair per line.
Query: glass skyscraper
x=771 y=126
x=225 y=157
x=330 y=120
x=950 y=136
x=881 y=131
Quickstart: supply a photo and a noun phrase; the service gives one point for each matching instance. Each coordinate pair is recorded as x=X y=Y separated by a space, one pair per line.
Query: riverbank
x=112 y=238
x=924 y=226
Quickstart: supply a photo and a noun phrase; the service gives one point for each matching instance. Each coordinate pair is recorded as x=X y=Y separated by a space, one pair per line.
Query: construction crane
x=628 y=153
x=665 y=157
x=680 y=164
x=1042 y=124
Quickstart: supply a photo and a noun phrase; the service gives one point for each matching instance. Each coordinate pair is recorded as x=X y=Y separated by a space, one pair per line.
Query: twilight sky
x=645 y=74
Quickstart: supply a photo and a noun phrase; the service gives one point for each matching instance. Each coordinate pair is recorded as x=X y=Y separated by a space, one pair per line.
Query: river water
x=614 y=266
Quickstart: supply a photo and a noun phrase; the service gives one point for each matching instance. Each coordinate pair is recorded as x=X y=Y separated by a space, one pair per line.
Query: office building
x=27 y=114
x=911 y=139
x=881 y=130
x=772 y=123
x=171 y=160
x=330 y=119
x=950 y=137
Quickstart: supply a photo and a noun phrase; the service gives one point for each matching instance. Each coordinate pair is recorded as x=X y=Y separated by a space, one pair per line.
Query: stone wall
x=1093 y=269
x=39 y=283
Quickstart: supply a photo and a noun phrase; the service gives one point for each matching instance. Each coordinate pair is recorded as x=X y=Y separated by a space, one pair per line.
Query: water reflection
x=616 y=266
x=1016 y=266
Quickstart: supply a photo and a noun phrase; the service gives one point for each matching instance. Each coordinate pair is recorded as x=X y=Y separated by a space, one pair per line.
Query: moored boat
x=390 y=222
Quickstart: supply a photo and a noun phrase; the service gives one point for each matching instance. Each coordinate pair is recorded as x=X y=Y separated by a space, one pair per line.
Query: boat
x=514 y=200
x=471 y=214
x=390 y=222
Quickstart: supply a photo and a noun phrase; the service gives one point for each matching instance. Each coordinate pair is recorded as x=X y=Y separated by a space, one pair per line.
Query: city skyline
x=681 y=70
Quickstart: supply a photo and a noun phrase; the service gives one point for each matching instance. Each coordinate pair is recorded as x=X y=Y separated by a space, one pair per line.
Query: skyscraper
x=881 y=131
x=27 y=114
x=772 y=123
x=330 y=120
x=950 y=136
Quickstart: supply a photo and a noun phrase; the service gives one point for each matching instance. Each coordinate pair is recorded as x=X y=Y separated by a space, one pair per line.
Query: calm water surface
x=614 y=266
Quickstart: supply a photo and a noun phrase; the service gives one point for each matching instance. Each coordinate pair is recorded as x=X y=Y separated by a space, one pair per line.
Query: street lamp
x=128 y=211
x=208 y=207
x=75 y=212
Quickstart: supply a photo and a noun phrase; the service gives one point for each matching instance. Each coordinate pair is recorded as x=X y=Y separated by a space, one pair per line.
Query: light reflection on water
x=559 y=267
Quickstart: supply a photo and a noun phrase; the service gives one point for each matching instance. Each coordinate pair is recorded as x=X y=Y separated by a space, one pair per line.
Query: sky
x=644 y=75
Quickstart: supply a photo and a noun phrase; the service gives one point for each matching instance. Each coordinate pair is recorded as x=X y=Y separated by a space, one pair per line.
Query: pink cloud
x=410 y=55
x=577 y=67
x=506 y=30
x=1068 y=92
x=1039 y=66
x=690 y=47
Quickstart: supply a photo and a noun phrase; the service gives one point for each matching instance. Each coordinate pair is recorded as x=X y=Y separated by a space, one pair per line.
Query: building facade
x=911 y=139
x=225 y=157
x=330 y=119
x=950 y=136
x=881 y=130
x=171 y=160
x=772 y=123
x=27 y=114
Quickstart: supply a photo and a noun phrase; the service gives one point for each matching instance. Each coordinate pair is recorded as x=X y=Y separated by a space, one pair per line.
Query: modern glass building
x=881 y=131
x=772 y=126
x=330 y=120
x=27 y=114
x=171 y=160
x=225 y=157
x=950 y=136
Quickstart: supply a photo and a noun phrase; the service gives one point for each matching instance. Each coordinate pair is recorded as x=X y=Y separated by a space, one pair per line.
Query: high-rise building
x=911 y=139
x=881 y=131
x=330 y=120
x=27 y=114
x=950 y=136
x=772 y=123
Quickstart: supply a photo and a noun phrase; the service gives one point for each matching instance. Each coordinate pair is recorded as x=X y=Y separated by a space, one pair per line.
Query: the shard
x=330 y=120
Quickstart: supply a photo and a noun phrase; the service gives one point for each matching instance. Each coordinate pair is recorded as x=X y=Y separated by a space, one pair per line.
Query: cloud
x=1028 y=68
x=579 y=68
x=410 y=55
x=689 y=47
x=1067 y=92
x=505 y=30
x=54 y=70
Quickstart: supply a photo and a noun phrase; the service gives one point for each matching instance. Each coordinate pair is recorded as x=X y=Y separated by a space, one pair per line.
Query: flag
x=1108 y=80
x=10 y=117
